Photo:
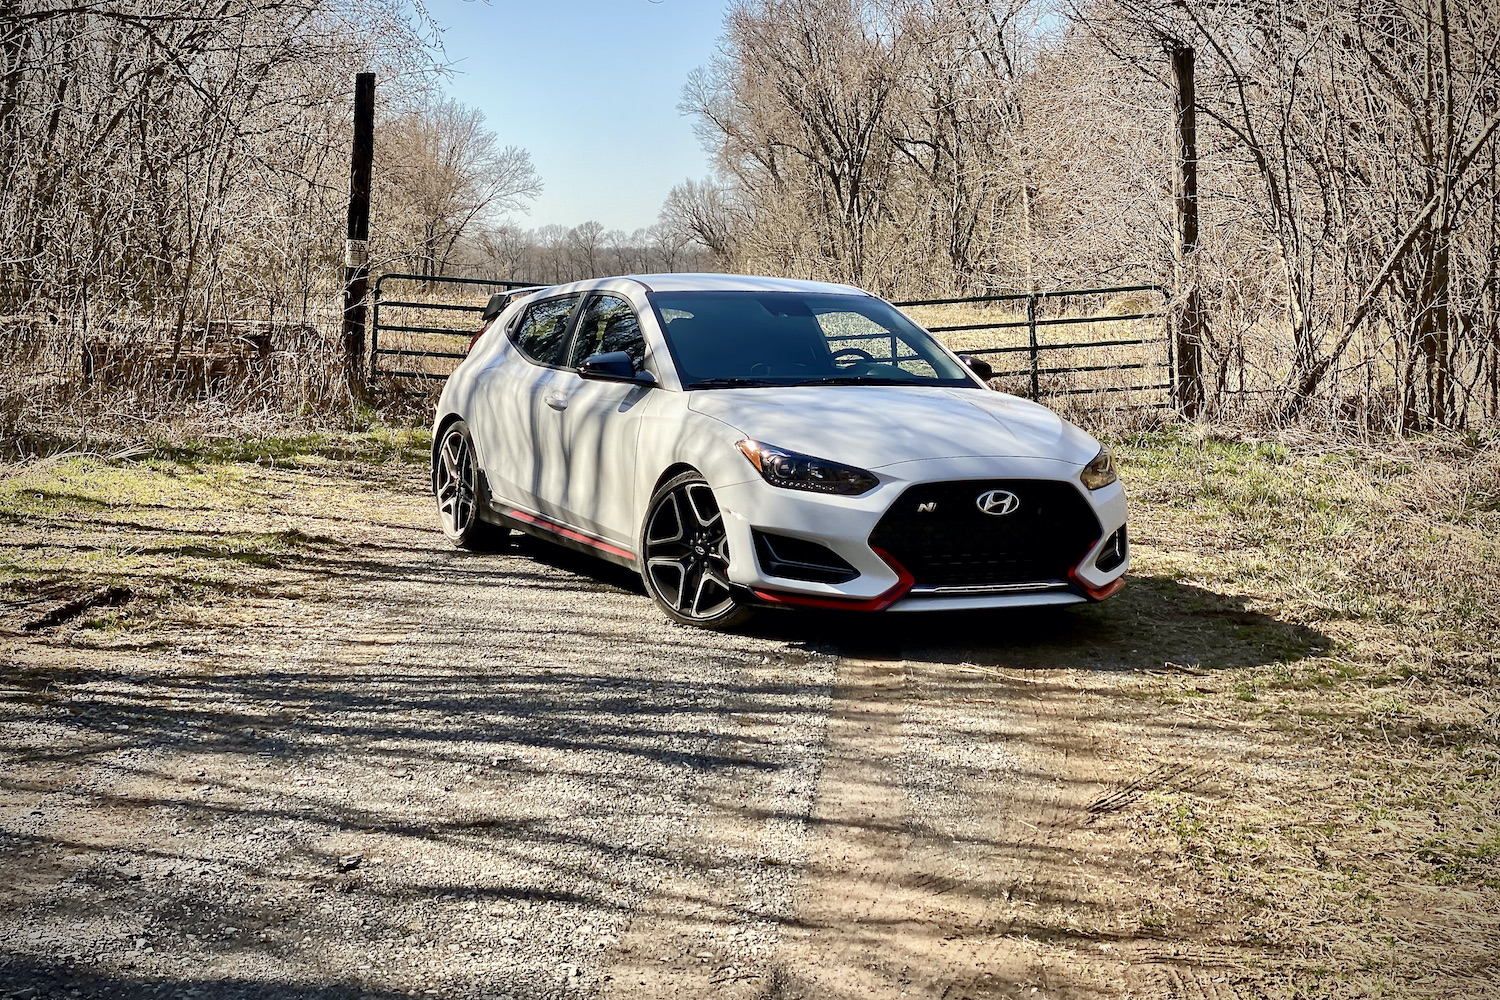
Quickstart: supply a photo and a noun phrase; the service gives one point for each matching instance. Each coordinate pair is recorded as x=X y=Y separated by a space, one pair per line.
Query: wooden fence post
x=356 y=245
x=1191 y=319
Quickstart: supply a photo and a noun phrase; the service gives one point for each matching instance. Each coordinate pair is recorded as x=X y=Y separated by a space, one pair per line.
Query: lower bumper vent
x=1116 y=547
x=799 y=559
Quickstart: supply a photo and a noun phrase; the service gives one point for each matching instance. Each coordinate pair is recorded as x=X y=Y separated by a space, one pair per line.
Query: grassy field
x=179 y=525
x=1329 y=611
x=1379 y=861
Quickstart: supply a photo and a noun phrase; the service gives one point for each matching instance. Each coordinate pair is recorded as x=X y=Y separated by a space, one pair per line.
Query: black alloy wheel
x=461 y=491
x=686 y=556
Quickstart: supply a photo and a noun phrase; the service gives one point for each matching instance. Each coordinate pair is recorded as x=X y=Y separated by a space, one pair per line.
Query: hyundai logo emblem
x=997 y=502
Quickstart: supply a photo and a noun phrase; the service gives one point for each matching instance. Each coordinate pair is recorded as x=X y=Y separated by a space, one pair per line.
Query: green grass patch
x=1341 y=536
x=378 y=445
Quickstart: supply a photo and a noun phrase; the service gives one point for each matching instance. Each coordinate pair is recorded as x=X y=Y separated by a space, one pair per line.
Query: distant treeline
x=555 y=253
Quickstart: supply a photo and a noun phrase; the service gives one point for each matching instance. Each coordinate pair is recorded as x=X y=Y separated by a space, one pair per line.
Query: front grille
x=938 y=532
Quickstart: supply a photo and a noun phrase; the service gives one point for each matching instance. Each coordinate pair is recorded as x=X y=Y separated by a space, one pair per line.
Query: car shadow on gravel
x=557 y=557
x=1156 y=623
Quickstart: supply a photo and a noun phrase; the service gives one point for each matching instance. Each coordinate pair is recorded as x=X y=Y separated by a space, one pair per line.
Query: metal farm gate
x=1124 y=360
x=1125 y=365
x=422 y=347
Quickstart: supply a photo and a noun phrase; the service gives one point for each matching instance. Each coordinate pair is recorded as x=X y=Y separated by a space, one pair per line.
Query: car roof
x=706 y=283
x=738 y=283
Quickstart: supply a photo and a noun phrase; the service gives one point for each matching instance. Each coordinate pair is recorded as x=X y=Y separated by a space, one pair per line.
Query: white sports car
x=749 y=442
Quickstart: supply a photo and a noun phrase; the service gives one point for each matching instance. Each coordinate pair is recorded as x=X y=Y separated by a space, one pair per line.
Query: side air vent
x=1113 y=554
x=800 y=559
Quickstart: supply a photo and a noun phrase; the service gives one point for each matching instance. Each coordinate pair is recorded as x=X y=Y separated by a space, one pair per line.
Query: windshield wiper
x=856 y=380
x=731 y=383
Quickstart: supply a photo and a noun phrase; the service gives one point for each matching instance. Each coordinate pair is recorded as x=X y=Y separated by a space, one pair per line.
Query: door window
x=543 y=332
x=608 y=324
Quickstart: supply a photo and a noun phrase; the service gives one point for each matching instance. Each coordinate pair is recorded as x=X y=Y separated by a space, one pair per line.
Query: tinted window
x=792 y=338
x=543 y=332
x=608 y=324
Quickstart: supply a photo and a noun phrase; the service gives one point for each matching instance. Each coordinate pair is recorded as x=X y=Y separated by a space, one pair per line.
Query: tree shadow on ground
x=577 y=687
x=30 y=979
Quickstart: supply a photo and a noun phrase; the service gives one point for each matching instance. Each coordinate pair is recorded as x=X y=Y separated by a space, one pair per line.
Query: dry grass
x=166 y=519
x=1361 y=836
x=131 y=389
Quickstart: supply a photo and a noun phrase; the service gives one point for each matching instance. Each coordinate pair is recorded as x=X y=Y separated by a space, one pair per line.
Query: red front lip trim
x=904 y=581
x=1092 y=592
x=577 y=536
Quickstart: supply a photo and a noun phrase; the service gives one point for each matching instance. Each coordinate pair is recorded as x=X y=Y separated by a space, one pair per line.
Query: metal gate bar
x=1032 y=324
x=1034 y=348
x=377 y=328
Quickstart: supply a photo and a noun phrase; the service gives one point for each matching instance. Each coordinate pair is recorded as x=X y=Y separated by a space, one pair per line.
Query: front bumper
x=844 y=525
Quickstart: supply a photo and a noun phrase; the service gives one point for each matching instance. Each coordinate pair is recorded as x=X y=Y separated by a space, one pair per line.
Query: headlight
x=1100 y=472
x=794 y=471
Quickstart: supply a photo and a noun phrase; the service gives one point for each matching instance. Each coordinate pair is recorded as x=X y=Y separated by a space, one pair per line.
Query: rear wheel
x=458 y=483
x=686 y=556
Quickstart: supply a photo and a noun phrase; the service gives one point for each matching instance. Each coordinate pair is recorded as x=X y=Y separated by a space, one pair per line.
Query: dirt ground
x=265 y=735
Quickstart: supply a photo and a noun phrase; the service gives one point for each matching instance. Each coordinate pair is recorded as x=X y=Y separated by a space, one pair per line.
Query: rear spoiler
x=496 y=305
x=500 y=300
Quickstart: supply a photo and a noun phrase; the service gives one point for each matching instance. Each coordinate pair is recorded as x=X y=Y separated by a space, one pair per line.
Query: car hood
x=875 y=426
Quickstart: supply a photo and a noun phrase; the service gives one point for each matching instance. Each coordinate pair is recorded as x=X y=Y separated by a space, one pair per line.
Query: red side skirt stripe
x=577 y=536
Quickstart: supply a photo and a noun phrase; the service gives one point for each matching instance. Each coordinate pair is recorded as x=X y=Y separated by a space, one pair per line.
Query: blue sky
x=590 y=89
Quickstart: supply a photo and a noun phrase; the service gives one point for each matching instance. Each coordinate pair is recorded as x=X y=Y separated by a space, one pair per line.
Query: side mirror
x=496 y=305
x=613 y=366
x=978 y=366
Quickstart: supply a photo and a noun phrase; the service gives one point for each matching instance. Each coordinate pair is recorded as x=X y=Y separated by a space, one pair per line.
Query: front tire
x=461 y=491
x=685 y=556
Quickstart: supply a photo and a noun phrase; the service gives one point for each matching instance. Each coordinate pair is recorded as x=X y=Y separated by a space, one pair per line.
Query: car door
x=597 y=423
x=517 y=448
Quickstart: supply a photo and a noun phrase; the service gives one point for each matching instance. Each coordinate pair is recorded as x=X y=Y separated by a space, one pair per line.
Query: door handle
x=557 y=400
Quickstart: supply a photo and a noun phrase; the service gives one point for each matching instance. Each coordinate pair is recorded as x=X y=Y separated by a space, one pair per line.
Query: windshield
x=726 y=340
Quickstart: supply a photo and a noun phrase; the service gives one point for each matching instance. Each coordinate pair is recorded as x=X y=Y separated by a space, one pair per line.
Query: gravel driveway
x=368 y=765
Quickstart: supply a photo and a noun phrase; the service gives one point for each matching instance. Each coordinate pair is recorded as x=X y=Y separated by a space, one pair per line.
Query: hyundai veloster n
x=754 y=442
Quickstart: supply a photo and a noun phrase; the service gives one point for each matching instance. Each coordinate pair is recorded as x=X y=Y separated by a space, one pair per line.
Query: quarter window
x=608 y=324
x=543 y=333
x=857 y=341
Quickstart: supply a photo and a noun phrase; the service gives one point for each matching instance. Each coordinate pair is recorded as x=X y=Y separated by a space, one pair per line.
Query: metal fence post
x=1036 y=389
x=375 y=329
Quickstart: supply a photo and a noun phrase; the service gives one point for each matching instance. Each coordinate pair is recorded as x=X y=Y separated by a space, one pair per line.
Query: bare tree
x=1346 y=169
x=797 y=110
x=167 y=161
x=443 y=175
x=1362 y=132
